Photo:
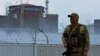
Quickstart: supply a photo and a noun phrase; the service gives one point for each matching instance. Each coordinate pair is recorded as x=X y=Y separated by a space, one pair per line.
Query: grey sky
x=87 y=9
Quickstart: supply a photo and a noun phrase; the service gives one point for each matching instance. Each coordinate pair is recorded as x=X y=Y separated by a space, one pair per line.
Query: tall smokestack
x=47 y=3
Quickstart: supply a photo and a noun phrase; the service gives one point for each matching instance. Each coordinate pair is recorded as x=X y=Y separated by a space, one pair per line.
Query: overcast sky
x=88 y=10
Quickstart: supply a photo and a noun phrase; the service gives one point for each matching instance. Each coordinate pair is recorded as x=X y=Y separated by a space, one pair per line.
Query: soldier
x=76 y=37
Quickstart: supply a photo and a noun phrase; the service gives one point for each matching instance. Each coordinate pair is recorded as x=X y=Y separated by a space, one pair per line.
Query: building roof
x=27 y=5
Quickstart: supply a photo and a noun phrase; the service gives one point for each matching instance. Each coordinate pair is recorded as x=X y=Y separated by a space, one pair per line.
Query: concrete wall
x=16 y=50
x=50 y=50
x=94 y=50
x=26 y=49
x=56 y=50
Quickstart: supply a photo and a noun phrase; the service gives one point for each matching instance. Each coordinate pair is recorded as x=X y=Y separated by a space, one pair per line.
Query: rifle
x=66 y=53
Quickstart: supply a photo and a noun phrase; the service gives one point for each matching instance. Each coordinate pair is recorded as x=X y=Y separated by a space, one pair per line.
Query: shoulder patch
x=82 y=29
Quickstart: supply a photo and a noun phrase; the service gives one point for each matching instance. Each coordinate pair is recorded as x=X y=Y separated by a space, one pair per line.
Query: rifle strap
x=71 y=33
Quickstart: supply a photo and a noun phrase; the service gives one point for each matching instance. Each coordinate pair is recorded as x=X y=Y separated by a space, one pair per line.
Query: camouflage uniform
x=79 y=39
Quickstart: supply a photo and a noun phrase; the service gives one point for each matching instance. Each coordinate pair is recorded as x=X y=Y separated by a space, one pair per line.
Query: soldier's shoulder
x=82 y=25
x=67 y=27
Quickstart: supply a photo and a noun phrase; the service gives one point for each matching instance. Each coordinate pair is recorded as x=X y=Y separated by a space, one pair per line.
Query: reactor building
x=28 y=16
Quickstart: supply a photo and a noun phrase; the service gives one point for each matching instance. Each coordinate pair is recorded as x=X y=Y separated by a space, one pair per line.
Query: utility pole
x=44 y=35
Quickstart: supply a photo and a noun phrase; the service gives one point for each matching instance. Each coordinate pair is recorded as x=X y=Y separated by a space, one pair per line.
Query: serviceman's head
x=73 y=18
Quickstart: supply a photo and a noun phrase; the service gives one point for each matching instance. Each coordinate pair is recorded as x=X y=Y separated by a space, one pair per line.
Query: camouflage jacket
x=79 y=39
